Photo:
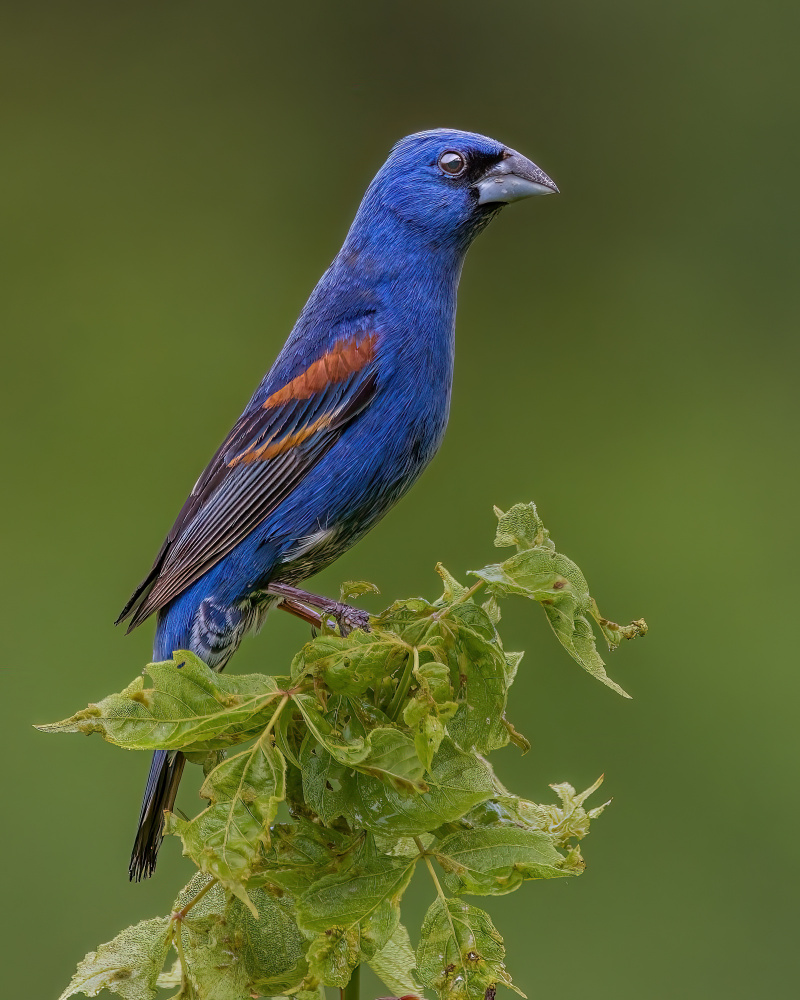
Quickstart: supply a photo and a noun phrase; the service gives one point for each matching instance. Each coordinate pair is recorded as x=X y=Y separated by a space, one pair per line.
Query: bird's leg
x=308 y=615
x=345 y=616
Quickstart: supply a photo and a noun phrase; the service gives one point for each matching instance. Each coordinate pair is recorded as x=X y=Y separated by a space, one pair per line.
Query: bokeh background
x=177 y=175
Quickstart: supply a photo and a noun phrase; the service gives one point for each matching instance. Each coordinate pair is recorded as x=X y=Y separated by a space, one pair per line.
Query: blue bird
x=343 y=424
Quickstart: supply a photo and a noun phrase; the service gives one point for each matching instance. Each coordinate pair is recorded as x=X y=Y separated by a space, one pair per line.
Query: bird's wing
x=265 y=456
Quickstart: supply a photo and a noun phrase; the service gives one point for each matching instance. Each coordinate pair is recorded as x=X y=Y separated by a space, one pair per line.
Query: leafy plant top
x=329 y=787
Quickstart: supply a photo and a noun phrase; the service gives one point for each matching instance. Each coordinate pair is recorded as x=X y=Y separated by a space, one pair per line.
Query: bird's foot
x=348 y=618
x=300 y=603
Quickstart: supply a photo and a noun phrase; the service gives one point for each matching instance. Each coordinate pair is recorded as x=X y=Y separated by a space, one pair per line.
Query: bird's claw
x=349 y=618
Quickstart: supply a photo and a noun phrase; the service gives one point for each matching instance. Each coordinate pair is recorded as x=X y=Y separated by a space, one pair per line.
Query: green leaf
x=453 y=590
x=563 y=822
x=128 y=966
x=207 y=759
x=188 y=707
x=306 y=851
x=355 y=912
x=170 y=977
x=347 y=748
x=539 y=574
x=393 y=759
x=575 y=635
x=457 y=781
x=469 y=615
x=353 y=895
x=483 y=675
x=521 y=526
x=429 y=708
x=496 y=860
x=394 y=964
x=429 y=731
x=232 y=955
x=513 y=661
x=244 y=791
x=333 y=955
x=410 y=620
x=352 y=589
x=492 y=609
x=352 y=664
x=383 y=752
x=463 y=636
x=543 y=575
x=460 y=954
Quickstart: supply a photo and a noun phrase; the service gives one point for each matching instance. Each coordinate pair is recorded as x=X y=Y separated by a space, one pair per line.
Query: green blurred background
x=176 y=176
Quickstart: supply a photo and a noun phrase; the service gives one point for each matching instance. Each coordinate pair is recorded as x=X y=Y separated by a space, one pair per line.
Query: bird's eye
x=452 y=163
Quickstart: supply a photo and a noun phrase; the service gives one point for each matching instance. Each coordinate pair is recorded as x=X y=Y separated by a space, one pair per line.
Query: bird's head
x=447 y=184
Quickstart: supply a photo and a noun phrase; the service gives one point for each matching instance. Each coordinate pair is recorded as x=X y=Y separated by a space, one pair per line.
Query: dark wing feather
x=265 y=456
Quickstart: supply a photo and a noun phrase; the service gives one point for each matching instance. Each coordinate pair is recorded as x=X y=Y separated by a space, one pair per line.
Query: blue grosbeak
x=345 y=421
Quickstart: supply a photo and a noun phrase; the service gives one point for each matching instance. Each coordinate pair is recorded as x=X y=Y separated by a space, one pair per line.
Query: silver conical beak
x=512 y=179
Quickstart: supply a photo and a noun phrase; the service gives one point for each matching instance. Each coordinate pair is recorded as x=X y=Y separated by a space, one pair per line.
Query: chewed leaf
x=332 y=956
x=171 y=977
x=393 y=759
x=224 y=840
x=128 y=966
x=384 y=752
x=521 y=526
x=497 y=859
x=300 y=853
x=576 y=636
x=482 y=672
x=351 y=589
x=616 y=634
x=430 y=707
x=189 y=707
x=395 y=962
x=453 y=590
x=354 y=912
x=457 y=781
x=349 y=665
x=563 y=822
x=460 y=954
x=350 y=896
x=232 y=954
x=541 y=574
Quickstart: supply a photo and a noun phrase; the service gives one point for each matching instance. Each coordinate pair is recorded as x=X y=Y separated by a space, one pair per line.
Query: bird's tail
x=166 y=769
x=213 y=633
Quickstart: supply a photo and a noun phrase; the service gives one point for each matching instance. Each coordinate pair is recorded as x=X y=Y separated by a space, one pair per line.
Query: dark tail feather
x=166 y=769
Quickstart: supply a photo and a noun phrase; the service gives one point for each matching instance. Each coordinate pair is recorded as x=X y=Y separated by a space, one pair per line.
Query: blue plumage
x=350 y=414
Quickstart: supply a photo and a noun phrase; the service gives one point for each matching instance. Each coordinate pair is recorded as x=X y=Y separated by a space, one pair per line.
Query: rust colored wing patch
x=266 y=455
x=273 y=448
x=344 y=359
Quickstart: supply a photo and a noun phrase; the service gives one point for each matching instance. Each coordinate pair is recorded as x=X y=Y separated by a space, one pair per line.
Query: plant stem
x=274 y=719
x=468 y=594
x=177 y=940
x=353 y=989
x=424 y=854
x=402 y=688
x=181 y=914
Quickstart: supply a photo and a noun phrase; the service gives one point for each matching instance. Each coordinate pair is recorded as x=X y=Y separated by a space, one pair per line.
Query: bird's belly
x=310 y=554
x=363 y=479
